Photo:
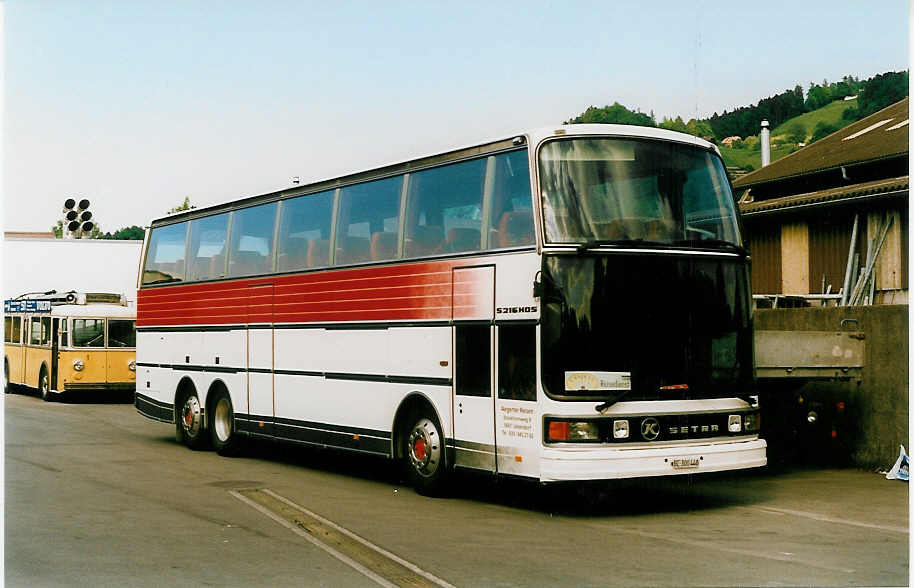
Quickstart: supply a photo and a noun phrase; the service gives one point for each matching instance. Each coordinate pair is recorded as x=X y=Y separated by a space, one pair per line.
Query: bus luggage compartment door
x=474 y=403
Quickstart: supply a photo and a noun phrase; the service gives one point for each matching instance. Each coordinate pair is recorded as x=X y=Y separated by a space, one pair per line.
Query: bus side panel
x=34 y=358
x=15 y=355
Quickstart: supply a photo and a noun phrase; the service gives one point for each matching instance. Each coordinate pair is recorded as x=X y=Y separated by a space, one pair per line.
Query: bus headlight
x=572 y=431
x=620 y=429
x=735 y=423
x=752 y=423
x=132 y=365
x=78 y=365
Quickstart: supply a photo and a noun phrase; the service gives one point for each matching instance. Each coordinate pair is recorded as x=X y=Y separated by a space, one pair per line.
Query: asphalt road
x=96 y=495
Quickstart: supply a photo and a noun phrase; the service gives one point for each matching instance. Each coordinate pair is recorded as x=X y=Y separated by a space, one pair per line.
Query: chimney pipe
x=766 y=144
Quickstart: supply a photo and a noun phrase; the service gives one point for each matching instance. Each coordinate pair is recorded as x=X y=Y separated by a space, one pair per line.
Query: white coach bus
x=570 y=303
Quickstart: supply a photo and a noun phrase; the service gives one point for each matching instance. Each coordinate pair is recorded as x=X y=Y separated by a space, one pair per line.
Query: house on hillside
x=799 y=213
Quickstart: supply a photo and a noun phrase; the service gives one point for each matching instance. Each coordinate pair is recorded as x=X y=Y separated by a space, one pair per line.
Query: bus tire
x=44 y=385
x=189 y=420
x=424 y=455
x=6 y=375
x=223 y=435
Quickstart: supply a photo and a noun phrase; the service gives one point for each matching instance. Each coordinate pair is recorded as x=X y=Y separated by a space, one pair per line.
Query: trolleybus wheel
x=424 y=456
x=190 y=421
x=44 y=385
x=6 y=376
x=225 y=439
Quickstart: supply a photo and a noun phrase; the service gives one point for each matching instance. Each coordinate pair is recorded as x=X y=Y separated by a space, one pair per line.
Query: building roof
x=855 y=192
x=879 y=136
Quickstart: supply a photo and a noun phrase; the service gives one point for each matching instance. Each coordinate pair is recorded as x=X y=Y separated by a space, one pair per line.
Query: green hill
x=749 y=157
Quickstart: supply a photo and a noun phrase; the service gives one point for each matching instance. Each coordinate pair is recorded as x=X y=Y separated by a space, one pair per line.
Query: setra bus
x=70 y=342
x=570 y=303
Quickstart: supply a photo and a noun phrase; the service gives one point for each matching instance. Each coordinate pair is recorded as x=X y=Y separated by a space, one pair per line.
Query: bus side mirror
x=537 y=288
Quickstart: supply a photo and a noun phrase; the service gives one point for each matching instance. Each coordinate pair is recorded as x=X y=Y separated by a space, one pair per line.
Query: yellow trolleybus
x=70 y=342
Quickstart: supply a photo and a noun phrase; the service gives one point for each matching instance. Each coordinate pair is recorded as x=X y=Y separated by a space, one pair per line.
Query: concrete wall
x=877 y=405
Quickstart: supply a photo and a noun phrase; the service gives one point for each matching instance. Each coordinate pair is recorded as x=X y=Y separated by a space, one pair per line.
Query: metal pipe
x=850 y=260
x=765 y=138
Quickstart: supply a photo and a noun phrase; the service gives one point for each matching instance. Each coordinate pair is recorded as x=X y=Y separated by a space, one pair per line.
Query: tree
x=95 y=233
x=615 y=114
x=186 y=205
x=881 y=91
x=131 y=233
x=823 y=129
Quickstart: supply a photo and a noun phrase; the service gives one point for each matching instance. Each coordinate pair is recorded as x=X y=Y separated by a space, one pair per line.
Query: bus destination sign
x=13 y=306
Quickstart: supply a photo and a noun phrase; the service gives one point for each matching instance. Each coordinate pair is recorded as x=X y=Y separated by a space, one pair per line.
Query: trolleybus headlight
x=735 y=423
x=132 y=365
x=573 y=431
x=78 y=365
x=620 y=429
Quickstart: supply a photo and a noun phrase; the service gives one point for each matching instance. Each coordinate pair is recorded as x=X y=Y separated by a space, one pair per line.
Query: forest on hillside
x=872 y=95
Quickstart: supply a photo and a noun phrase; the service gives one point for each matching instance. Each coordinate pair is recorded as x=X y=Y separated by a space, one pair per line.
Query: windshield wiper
x=711 y=244
x=608 y=403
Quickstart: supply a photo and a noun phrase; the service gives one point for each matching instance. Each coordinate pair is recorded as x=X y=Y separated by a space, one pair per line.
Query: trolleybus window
x=40 y=330
x=622 y=190
x=304 y=232
x=88 y=332
x=252 y=240
x=165 y=260
x=121 y=333
x=369 y=221
x=7 y=329
x=206 y=250
x=16 y=335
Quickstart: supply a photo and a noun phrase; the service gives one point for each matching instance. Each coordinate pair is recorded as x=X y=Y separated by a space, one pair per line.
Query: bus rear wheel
x=44 y=385
x=424 y=456
x=190 y=421
x=222 y=426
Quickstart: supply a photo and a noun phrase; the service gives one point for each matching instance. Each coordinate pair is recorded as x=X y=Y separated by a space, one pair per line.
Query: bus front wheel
x=190 y=421
x=222 y=426
x=424 y=456
x=6 y=376
x=44 y=385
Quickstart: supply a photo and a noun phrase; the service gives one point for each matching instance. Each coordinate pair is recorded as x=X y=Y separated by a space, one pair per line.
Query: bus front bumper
x=99 y=386
x=600 y=463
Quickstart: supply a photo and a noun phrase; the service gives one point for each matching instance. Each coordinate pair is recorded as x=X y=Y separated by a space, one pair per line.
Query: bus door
x=55 y=330
x=473 y=301
x=517 y=429
x=260 y=356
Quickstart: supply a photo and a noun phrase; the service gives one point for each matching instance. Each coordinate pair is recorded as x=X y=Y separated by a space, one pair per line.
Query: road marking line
x=824 y=518
x=380 y=565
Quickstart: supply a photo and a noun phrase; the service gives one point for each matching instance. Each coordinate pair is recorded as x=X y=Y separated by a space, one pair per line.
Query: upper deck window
x=165 y=258
x=251 y=252
x=626 y=191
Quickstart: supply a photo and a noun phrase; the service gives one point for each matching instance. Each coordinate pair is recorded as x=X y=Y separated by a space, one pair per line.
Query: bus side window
x=472 y=355
x=64 y=334
x=45 y=330
x=7 y=329
x=304 y=232
x=165 y=257
x=517 y=362
x=17 y=330
x=512 y=203
x=444 y=209
x=251 y=250
x=368 y=209
x=206 y=253
x=35 y=331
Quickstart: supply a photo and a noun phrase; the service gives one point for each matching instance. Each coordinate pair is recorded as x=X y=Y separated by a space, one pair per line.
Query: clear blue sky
x=136 y=104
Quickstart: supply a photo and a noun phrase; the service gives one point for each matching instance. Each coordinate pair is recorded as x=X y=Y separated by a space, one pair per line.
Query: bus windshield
x=619 y=191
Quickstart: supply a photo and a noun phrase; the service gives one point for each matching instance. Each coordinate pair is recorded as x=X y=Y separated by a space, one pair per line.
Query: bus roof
x=94 y=310
x=531 y=136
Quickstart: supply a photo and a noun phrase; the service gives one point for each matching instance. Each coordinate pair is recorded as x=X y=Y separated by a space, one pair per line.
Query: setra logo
x=650 y=429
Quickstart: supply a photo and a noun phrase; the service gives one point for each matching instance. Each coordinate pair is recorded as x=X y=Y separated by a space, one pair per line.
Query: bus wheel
x=222 y=426
x=190 y=421
x=424 y=453
x=6 y=376
x=44 y=385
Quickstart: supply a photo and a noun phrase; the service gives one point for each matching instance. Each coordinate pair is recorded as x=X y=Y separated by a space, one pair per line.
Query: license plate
x=685 y=463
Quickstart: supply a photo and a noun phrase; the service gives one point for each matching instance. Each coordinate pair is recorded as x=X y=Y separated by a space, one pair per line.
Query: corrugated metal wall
x=829 y=239
x=763 y=240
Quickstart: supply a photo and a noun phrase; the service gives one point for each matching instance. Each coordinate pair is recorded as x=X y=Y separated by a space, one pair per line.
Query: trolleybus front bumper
x=99 y=386
x=591 y=463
